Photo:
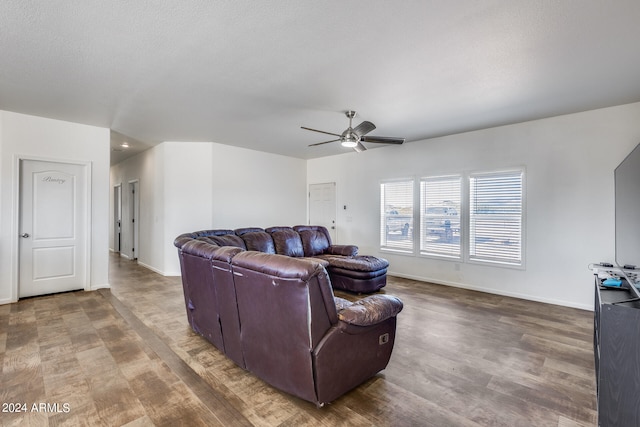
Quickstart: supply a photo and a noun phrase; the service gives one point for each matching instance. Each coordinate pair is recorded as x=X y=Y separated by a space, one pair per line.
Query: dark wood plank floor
x=126 y=356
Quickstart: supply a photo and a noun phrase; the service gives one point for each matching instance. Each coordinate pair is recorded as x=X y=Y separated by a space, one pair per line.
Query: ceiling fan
x=354 y=137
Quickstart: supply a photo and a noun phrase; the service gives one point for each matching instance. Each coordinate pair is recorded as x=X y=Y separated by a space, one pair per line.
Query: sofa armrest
x=371 y=310
x=344 y=250
x=341 y=303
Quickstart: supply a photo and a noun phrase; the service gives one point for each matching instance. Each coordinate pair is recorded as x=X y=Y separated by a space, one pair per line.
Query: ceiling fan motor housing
x=351 y=138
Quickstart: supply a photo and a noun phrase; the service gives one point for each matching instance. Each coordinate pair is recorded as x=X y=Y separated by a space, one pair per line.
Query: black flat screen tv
x=627 y=205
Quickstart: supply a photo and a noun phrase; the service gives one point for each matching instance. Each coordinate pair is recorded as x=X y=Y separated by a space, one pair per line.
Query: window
x=477 y=217
x=495 y=217
x=396 y=215
x=440 y=216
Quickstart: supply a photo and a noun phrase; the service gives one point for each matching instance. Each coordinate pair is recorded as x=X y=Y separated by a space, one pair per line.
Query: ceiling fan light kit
x=352 y=137
x=349 y=144
x=350 y=141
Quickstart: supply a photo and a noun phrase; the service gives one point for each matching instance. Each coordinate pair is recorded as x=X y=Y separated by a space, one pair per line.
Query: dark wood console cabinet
x=616 y=344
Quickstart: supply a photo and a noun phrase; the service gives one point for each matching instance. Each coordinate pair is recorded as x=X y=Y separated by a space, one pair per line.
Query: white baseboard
x=494 y=291
x=147 y=266
x=155 y=270
x=92 y=288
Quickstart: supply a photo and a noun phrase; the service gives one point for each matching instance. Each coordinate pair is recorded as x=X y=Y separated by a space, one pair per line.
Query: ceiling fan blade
x=364 y=128
x=326 y=142
x=383 y=139
x=359 y=148
x=321 y=131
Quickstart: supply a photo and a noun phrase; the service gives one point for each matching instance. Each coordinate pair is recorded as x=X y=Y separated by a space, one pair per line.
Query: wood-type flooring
x=127 y=356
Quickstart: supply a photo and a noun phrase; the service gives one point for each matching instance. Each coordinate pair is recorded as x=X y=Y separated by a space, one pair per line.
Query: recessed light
x=125 y=144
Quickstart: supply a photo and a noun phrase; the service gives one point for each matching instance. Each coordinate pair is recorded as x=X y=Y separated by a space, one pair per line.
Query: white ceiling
x=250 y=73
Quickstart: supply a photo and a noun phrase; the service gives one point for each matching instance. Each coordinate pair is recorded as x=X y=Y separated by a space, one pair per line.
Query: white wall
x=188 y=195
x=146 y=168
x=37 y=137
x=256 y=189
x=189 y=186
x=569 y=163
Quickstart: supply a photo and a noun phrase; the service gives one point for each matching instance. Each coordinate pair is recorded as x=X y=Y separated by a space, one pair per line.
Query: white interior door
x=322 y=206
x=53 y=227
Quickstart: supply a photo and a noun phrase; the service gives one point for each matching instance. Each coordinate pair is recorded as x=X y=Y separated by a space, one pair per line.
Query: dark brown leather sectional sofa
x=348 y=270
x=276 y=315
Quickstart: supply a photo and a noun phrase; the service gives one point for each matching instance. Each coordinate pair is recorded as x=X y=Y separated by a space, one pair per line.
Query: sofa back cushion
x=283 y=314
x=199 y=290
x=220 y=238
x=183 y=238
x=225 y=240
x=286 y=241
x=205 y=233
x=256 y=239
x=210 y=294
x=315 y=239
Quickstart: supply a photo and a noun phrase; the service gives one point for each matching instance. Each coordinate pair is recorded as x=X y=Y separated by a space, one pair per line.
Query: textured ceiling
x=250 y=73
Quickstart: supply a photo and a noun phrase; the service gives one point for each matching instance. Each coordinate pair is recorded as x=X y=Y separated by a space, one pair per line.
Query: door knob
x=25 y=235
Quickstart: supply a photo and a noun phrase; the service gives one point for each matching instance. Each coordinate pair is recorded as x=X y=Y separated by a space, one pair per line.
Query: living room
x=549 y=91
x=567 y=166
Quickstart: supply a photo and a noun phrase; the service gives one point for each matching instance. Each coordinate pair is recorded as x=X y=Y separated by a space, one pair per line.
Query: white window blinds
x=396 y=215
x=440 y=216
x=495 y=217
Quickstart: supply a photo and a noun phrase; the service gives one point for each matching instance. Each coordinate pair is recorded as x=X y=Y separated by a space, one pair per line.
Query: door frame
x=134 y=218
x=117 y=213
x=15 y=223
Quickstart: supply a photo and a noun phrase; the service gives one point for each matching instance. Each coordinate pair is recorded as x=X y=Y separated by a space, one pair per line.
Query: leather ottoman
x=360 y=273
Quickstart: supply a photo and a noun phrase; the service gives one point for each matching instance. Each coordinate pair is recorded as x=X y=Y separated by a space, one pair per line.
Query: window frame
x=461 y=219
x=382 y=230
x=521 y=265
x=465 y=222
